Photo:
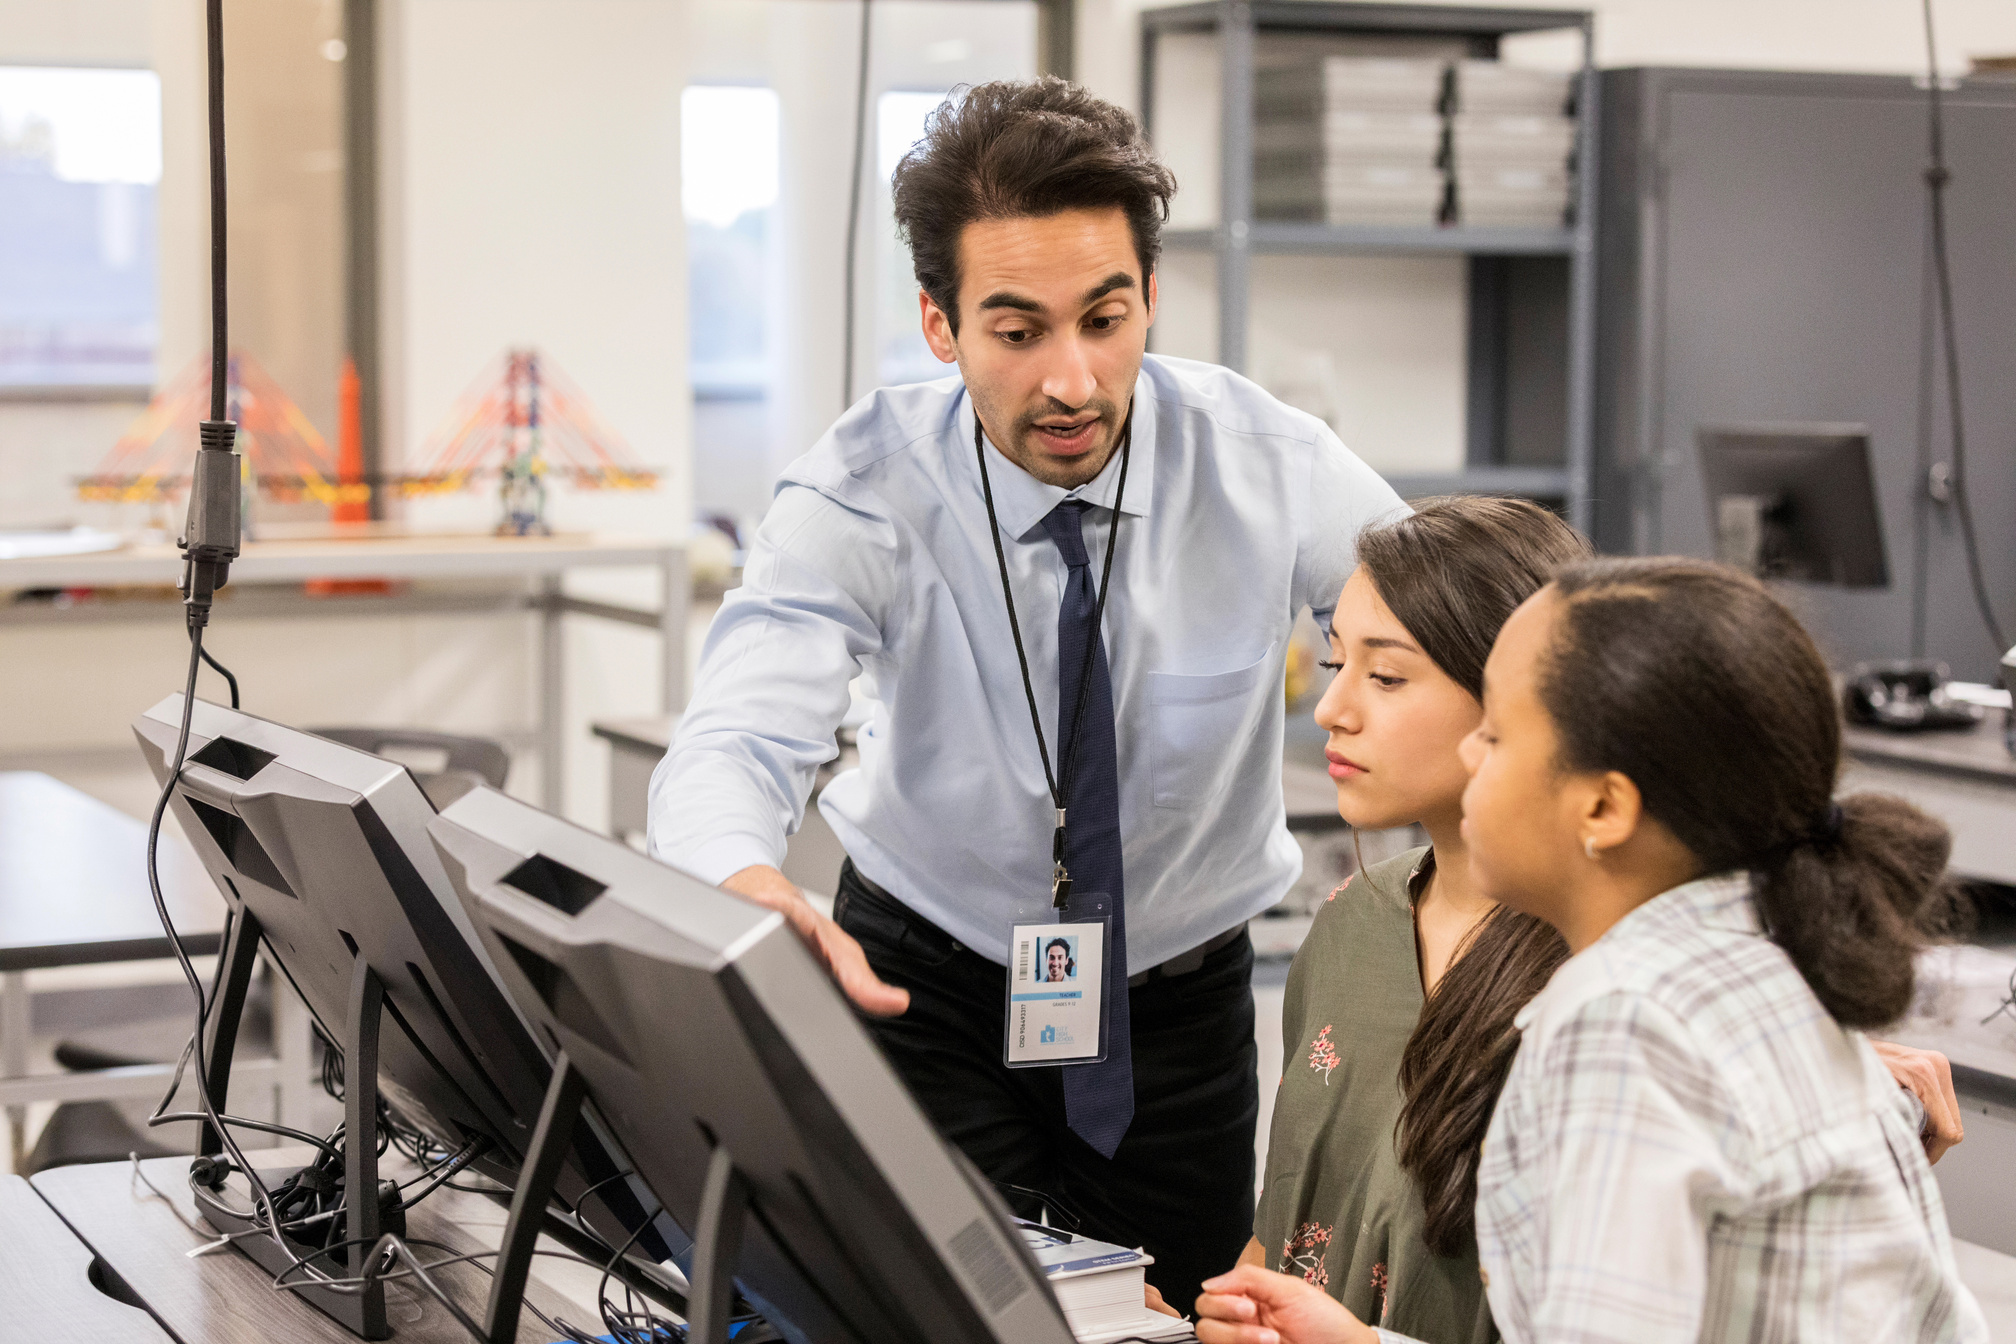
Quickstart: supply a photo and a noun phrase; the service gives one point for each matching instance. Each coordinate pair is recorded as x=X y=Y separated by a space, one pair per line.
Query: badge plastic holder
x=1056 y=1006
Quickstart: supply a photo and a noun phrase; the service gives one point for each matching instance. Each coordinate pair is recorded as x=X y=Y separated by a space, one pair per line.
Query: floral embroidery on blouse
x=1340 y=888
x=1323 y=1055
x=1379 y=1286
x=1303 y=1253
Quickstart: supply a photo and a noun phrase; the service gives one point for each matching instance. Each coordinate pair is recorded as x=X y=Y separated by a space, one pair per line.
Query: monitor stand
x=361 y=1312
x=717 y=1241
x=724 y=1206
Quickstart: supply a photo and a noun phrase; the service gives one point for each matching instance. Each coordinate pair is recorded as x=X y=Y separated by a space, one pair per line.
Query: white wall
x=806 y=50
x=76 y=32
x=537 y=185
x=1392 y=329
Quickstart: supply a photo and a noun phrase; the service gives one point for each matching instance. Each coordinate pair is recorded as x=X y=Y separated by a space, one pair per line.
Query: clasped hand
x=1252 y=1305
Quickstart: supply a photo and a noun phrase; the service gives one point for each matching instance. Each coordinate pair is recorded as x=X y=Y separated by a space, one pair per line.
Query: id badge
x=1056 y=1011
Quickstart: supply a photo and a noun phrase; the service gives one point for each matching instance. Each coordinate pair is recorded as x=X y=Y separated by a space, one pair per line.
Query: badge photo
x=1055 y=974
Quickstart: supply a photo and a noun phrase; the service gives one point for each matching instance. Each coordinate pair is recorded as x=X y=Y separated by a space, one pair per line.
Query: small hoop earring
x=1589 y=847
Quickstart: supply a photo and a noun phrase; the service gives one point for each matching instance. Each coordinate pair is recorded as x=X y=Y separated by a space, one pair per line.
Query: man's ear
x=937 y=329
x=1154 y=298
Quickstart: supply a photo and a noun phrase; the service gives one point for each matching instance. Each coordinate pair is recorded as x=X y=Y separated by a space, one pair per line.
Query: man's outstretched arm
x=770 y=695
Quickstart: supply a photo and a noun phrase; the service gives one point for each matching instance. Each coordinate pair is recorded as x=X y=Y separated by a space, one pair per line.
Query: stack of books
x=1351 y=140
x=1100 y=1286
x=1511 y=144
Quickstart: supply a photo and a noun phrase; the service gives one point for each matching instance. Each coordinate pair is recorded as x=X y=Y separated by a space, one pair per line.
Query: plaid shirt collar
x=1722 y=901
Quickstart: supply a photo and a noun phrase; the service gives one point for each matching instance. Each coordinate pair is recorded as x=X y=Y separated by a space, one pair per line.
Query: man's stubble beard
x=1051 y=471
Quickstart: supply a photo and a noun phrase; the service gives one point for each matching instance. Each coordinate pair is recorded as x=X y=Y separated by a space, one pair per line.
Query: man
x=1058 y=957
x=1147 y=639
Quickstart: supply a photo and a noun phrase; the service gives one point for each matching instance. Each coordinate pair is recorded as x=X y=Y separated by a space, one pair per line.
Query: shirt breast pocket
x=1198 y=723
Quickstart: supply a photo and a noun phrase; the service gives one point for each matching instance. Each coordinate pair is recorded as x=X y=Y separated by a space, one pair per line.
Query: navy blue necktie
x=1098 y=1098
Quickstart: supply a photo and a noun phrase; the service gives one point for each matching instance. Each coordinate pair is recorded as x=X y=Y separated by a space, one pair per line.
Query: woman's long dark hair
x=1699 y=686
x=1452 y=572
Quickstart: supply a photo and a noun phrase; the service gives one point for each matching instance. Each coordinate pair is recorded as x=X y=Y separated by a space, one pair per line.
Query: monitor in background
x=323 y=855
x=734 y=1074
x=1794 y=502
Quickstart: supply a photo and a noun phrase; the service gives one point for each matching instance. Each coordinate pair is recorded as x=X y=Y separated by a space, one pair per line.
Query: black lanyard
x=1067 y=759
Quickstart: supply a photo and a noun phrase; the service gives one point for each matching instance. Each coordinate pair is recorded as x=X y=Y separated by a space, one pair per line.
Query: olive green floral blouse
x=1337 y=1208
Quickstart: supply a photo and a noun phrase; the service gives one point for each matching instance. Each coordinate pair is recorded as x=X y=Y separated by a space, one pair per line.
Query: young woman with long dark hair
x=1397 y=1019
x=1694 y=1141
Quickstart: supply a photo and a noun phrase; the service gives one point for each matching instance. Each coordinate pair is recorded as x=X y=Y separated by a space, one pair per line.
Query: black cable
x=1058 y=1206
x=440 y=1175
x=220 y=346
x=220 y=670
x=622 y=1325
x=393 y=1247
x=209 y=1234
x=1937 y=178
x=174 y=776
x=239 y=1122
x=576 y=1207
x=854 y=212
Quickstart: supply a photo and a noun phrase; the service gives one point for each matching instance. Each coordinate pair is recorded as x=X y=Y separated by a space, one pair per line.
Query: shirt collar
x=1724 y=901
x=1424 y=868
x=1021 y=501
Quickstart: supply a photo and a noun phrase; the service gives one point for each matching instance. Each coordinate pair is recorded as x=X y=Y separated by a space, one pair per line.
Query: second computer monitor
x=1794 y=502
x=327 y=847
x=709 y=1036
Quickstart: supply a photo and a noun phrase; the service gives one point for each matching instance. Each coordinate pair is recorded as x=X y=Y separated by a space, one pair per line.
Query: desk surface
x=73 y=881
x=45 y=1279
x=1977 y=752
x=225 y=1298
x=376 y=557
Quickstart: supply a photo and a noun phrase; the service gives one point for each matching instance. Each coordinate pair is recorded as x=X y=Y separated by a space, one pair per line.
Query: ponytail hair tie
x=1826 y=832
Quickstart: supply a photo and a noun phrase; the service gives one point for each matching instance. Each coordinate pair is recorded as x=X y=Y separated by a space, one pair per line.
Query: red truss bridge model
x=522 y=421
x=285 y=459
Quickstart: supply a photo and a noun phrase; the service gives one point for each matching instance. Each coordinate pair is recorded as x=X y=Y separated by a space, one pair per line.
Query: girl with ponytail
x=1695 y=1141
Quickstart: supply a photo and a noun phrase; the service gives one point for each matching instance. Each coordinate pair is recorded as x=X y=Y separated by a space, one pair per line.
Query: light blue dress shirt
x=875 y=560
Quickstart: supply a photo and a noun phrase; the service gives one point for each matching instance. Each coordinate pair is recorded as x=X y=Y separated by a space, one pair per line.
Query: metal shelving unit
x=1493 y=252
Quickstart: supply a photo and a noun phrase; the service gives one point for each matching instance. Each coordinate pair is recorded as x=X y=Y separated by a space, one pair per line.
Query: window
x=80 y=156
x=728 y=169
x=901 y=354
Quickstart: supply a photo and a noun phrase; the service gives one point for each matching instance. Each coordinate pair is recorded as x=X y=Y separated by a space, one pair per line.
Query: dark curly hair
x=1015 y=149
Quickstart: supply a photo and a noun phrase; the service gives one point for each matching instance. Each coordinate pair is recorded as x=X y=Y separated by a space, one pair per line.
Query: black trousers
x=1180 y=1184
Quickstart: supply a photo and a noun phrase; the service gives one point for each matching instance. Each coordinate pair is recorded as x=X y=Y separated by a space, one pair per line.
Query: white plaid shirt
x=1688 y=1148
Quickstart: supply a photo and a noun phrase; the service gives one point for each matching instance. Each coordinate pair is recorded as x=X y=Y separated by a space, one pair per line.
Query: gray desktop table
x=224 y=1298
x=1966 y=779
x=447 y=573
x=73 y=892
x=45 y=1279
